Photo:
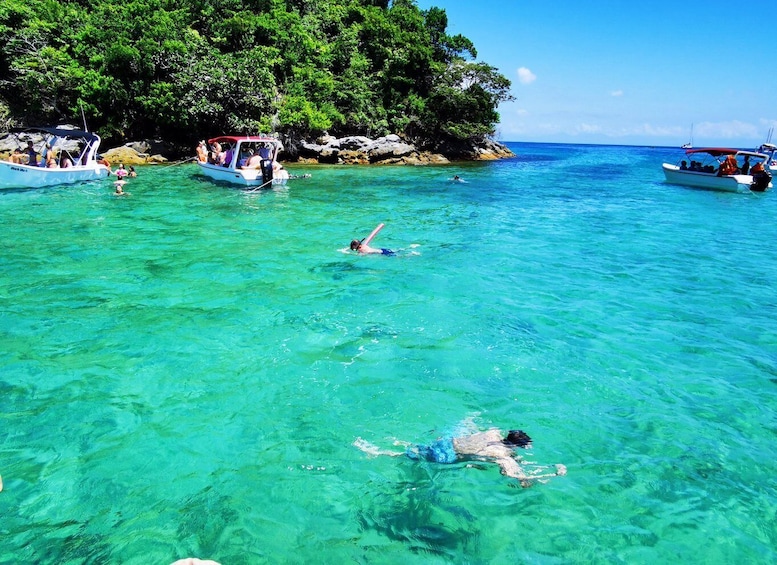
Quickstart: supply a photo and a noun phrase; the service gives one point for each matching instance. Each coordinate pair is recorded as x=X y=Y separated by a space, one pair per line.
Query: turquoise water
x=185 y=370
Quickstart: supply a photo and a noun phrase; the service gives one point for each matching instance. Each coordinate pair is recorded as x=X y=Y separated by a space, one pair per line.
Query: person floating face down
x=489 y=446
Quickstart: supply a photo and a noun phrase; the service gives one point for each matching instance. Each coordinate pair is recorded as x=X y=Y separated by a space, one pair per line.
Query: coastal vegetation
x=187 y=69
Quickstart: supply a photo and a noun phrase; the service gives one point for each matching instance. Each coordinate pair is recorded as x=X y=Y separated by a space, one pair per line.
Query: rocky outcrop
x=139 y=153
x=389 y=150
x=350 y=150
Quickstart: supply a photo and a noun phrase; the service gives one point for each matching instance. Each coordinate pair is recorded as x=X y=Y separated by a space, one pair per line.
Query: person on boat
x=216 y=154
x=728 y=166
x=363 y=245
x=65 y=162
x=227 y=157
x=683 y=165
x=278 y=172
x=265 y=151
x=757 y=168
x=489 y=446
x=202 y=152
x=32 y=155
x=51 y=160
x=253 y=162
x=17 y=157
x=745 y=169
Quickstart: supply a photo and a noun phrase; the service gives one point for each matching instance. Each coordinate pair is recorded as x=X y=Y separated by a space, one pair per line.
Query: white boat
x=76 y=148
x=689 y=145
x=750 y=171
x=246 y=161
x=771 y=150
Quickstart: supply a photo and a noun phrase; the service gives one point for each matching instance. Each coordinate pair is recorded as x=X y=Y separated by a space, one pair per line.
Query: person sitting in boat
x=683 y=166
x=65 y=162
x=32 y=155
x=253 y=162
x=227 y=160
x=51 y=160
x=745 y=169
x=245 y=155
x=17 y=157
x=216 y=154
x=728 y=167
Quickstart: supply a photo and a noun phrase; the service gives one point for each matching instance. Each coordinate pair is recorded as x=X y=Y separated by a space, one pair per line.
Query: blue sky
x=620 y=72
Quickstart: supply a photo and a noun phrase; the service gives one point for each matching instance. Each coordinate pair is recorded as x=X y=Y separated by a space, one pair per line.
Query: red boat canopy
x=236 y=138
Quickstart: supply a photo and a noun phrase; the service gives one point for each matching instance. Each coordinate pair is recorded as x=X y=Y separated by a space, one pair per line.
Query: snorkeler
x=487 y=446
x=362 y=246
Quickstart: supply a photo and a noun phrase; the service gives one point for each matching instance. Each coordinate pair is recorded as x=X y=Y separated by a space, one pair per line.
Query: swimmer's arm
x=369 y=238
x=510 y=468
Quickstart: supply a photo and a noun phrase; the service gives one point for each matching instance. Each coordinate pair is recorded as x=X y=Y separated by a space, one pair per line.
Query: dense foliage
x=184 y=69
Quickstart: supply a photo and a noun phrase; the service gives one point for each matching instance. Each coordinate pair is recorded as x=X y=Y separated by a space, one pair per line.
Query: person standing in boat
x=202 y=152
x=32 y=155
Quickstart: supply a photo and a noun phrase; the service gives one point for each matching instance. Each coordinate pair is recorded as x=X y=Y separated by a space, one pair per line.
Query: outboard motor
x=761 y=181
x=267 y=171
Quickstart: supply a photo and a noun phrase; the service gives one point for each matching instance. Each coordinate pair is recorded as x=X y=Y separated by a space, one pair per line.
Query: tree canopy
x=185 y=69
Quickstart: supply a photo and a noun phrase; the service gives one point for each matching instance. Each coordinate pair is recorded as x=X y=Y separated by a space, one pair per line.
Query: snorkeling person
x=362 y=245
x=488 y=446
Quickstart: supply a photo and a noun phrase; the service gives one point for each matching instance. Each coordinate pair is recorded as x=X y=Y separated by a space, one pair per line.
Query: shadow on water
x=416 y=513
x=336 y=269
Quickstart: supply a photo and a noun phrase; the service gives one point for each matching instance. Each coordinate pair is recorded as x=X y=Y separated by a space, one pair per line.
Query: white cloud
x=525 y=76
x=616 y=93
x=587 y=128
x=733 y=129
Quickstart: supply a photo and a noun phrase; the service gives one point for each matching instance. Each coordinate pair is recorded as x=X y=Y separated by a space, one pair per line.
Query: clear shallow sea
x=183 y=371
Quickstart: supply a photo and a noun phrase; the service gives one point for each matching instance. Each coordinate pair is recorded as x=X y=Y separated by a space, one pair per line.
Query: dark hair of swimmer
x=517 y=438
x=355 y=244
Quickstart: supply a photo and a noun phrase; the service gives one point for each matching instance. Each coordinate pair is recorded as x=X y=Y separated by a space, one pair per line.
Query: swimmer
x=488 y=446
x=362 y=246
x=457 y=178
x=119 y=184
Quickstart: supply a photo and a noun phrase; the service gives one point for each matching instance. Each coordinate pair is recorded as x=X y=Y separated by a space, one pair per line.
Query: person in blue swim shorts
x=362 y=245
x=489 y=446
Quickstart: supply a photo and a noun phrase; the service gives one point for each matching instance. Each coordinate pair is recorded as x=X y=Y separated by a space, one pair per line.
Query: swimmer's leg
x=373 y=450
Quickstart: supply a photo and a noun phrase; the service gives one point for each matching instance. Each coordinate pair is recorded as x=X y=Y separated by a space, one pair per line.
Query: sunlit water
x=185 y=369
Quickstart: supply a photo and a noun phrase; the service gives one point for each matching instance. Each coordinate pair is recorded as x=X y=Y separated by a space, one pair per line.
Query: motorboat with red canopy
x=721 y=168
x=247 y=161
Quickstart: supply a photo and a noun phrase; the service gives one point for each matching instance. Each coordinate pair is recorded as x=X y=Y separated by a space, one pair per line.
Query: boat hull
x=237 y=177
x=709 y=181
x=13 y=175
